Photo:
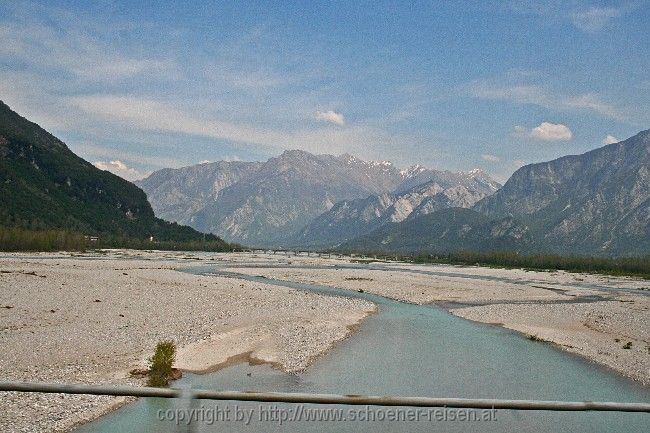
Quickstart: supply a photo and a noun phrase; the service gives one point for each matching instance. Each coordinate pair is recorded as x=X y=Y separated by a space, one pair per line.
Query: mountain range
x=44 y=185
x=349 y=219
x=298 y=199
x=444 y=231
x=597 y=203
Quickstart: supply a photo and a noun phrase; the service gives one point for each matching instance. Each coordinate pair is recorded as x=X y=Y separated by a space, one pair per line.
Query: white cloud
x=119 y=168
x=523 y=94
x=231 y=158
x=151 y=115
x=538 y=95
x=90 y=150
x=205 y=161
x=591 y=101
x=594 y=19
x=76 y=52
x=546 y=131
x=610 y=139
x=590 y=20
x=331 y=117
x=145 y=114
x=490 y=158
x=551 y=132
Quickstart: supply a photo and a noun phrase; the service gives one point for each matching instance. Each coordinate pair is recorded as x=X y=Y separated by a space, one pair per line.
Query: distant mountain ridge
x=178 y=193
x=44 y=185
x=445 y=231
x=597 y=203
x=269 y=203
x=351 y=218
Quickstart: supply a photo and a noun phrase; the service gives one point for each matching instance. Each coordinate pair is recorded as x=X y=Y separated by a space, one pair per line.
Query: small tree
x=160 y=364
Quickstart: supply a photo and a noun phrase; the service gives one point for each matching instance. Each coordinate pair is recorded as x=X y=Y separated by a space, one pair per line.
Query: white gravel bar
x=92 y=318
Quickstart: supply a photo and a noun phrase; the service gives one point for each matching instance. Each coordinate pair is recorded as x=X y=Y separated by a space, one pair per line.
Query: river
x=408 y=350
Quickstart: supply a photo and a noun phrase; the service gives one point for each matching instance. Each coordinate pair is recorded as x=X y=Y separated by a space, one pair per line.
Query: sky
x=138 y=86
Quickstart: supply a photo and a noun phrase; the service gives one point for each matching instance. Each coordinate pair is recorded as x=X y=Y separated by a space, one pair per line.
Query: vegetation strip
x=620 y=266
x=20 y=239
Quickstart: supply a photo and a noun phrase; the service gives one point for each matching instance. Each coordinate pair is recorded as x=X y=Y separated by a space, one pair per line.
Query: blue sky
x=451 y=85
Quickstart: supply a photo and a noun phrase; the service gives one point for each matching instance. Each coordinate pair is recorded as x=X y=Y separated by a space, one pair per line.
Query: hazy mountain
x=179 y=193
x=447 y=230
x=268 y=203
x=351 y=218
x=43 y=184
x=597 y=203
x=594 y=203
x=419 y=175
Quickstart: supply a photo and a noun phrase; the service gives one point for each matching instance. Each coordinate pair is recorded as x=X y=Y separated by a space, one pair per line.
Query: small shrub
x=535 y=338
x=160 y=364
x=627 y=345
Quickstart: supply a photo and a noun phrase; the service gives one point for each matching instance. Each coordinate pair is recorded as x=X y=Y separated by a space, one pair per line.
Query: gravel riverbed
x=93 y=318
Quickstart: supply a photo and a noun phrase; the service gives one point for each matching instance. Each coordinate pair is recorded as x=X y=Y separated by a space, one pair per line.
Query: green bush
x=160 y=364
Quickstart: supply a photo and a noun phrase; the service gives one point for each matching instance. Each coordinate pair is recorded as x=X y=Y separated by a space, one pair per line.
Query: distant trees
x=21 y=239
x=634 y=266
x=628 y=266
x=18 y=239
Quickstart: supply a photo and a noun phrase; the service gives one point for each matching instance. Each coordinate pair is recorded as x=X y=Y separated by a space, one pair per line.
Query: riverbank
x=603 y=319
x=91 y=318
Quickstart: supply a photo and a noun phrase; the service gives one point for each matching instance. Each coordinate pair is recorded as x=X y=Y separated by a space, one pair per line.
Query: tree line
x=632 y=266
x=20 y=239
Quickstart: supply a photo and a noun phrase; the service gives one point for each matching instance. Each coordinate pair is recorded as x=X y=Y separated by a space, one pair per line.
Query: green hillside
x=44 y=185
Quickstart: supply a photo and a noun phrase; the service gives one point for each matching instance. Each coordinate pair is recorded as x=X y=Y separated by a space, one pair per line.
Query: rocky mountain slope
x=597 y=203
x=44 y=185
x=178 y=193
x=594 y=203
x=351 y=218
x=419 y=175
x=285 y=193
x=268 y=203
x=447 y=230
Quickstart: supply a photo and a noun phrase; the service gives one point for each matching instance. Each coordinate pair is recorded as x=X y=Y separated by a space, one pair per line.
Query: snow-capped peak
x=380 y=163
x=413 y=170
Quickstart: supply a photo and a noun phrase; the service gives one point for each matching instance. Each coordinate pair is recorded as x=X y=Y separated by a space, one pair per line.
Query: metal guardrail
x=284 y=397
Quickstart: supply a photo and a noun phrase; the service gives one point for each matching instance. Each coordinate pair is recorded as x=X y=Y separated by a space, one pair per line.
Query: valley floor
x=80 y=319
x=92 y=318
x=604 y=319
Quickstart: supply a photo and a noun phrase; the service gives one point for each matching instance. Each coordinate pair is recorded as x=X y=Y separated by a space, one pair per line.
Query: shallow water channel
x=407 y=350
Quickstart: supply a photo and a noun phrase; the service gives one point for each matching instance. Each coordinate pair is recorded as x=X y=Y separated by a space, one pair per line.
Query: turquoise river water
x=407 y=350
